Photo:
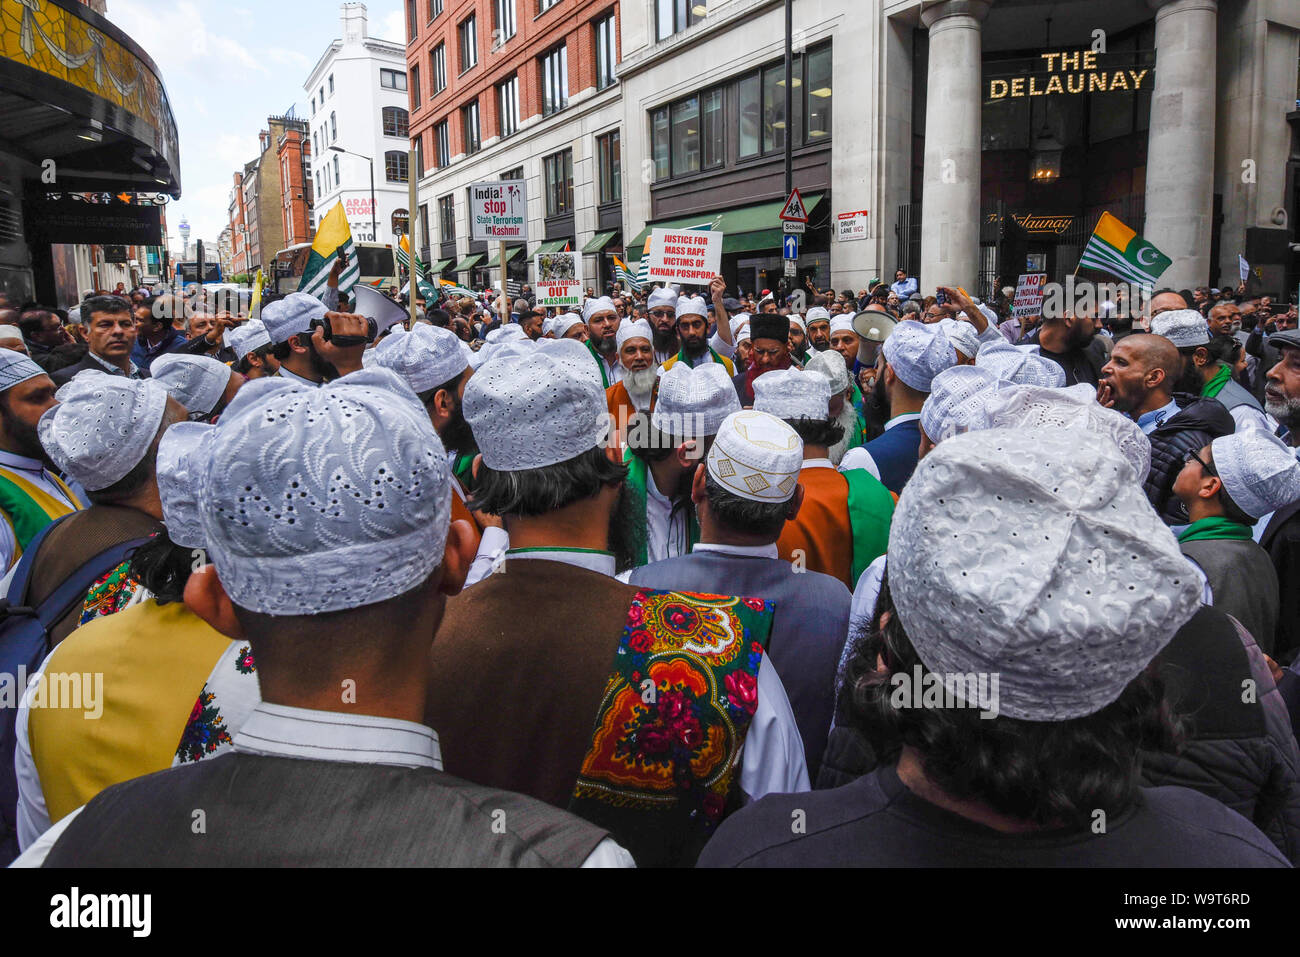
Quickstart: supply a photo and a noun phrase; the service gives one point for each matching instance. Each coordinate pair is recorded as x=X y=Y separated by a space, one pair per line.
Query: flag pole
x=504 y=301
x=412 y=220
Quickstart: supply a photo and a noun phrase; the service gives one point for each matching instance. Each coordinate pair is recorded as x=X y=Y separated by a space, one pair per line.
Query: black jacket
x=1199 y=422
x=64 y=375
x=1281 y=539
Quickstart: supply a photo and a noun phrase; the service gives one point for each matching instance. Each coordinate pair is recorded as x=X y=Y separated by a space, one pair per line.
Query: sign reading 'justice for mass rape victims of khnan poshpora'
x=685 y=255
x=498 y=211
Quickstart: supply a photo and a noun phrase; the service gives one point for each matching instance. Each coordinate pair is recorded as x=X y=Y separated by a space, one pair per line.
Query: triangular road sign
x=795 y=210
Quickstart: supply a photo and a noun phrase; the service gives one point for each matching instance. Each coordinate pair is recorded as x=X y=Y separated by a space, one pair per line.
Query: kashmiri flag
x=333 y=236
x=404 y=257
x=624 y=275
x=1118 y=250
x=255 y=303
x=453 y=289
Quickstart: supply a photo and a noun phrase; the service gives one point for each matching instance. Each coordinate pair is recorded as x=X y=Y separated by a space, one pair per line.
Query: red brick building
x=516 y=89
x=293 y=150
x=238 y=228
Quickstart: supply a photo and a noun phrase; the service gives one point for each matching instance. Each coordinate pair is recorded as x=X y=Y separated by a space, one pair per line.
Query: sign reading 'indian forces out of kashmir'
x=1074 y=72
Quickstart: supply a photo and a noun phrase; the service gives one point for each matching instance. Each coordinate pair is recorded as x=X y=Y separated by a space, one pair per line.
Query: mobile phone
x=940 y=297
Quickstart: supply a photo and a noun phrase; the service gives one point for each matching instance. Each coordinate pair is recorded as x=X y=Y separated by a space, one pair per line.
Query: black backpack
x=24 y=644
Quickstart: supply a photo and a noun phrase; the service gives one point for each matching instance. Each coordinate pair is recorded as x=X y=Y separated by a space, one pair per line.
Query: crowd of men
x=677 y=578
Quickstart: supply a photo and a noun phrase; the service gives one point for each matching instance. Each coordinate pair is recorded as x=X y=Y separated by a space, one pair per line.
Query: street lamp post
x=374 y=222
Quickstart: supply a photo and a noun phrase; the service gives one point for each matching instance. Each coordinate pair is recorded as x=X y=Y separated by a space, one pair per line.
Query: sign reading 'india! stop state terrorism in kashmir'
x=498 y=211
x=1074 y=72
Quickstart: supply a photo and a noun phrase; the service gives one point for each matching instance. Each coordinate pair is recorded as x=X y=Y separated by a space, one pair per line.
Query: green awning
x=746 y=229
x=469 y=262
x=551 y=246
x=439 y=265
x=511 y=253
x=600 y=241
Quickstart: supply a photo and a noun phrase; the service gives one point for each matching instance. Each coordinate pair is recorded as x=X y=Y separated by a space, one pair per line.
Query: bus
x=375 y=260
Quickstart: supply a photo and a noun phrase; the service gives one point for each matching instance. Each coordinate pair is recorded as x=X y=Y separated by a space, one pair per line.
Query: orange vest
x=820 y=539
x=621 y=409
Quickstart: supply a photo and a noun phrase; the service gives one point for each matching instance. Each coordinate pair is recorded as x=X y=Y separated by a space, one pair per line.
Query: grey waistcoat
x=285 y=812
x=1244 y=583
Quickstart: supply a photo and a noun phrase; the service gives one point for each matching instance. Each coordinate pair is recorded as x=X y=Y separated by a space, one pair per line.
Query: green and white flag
x=1118 y=250
x=332 y=237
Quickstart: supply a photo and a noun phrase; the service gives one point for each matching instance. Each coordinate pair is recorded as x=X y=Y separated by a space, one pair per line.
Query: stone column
x=1180 y=142
x=950 y=198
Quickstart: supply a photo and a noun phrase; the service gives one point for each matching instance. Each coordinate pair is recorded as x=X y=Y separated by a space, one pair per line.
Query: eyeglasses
x=1191 y=454
x=663 y=313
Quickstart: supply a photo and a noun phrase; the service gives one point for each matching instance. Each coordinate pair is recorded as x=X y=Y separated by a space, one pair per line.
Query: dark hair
x=32 y=321
x=742 y=514
x=1052 y=773
x=243 y=366
x=142 y=472
x=826 y=432
x=538 y=491
x=658 y=446
x=1231 y=510
x=163 y=567
x=439 y=317
x=110 y=304
x=450 y=385
x=281 y=350
x=1224 y=348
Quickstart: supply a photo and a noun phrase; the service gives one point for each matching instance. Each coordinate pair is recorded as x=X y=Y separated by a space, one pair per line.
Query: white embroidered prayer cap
x=10 y=332
x=426 y=357
x=102 y=426
x=817 y=313
x=740 y=327
x=244 y=339
x=918 y=352
x=1034 y=407
x=692 y=306
x=1183 y=327
x=1259 y=472
x=792 y=394
x=962 y=335
x=1018 y=366
x=15 y=367
x=287 y=317
x=182 y=453
x=693 y=402
x=323 y=499
x=593 y=306
x=1033 y=556
x=829 y=364
x=543 y=408
x=842 y=323
x=640 y=329
x=660 y=298
x=565 y=322
x=196 y=382
x=989 y=313
x=756 y=456
x=956 y=402
x=511 y=330
x=799 y=321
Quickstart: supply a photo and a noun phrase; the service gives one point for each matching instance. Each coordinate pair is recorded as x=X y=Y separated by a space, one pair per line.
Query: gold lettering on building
x=1068 y=72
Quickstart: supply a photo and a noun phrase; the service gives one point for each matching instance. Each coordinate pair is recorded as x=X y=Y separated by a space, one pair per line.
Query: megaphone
x=873 y=325
x=378 y=308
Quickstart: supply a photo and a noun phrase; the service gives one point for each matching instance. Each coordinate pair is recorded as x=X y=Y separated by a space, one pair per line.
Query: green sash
x=636 y=534
x=1215 y=528
x=681 y=357
x=600 y=363
x=871 y=509
x=30 y=508
x=1216 y=384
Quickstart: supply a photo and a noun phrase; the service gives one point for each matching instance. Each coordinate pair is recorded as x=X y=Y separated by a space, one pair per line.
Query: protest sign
x=1029 y=295
x=498 y=211
x=685 y=255
x=559 y=279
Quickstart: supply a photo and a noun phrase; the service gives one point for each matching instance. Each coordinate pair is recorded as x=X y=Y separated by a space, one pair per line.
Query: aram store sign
x=1074 y=72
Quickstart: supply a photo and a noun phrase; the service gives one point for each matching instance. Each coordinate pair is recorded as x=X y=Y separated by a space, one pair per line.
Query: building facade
x=979 y=139
x=268 y=202
x=239 y=257
x=87 y=143
x=517 y=89
x=293 y=153
x=358 y=130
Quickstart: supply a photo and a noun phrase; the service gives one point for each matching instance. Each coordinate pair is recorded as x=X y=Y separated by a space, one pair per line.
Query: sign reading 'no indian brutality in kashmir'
x=1073 y=72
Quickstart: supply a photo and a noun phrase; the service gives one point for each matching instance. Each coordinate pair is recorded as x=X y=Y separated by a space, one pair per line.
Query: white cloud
x=391 y=27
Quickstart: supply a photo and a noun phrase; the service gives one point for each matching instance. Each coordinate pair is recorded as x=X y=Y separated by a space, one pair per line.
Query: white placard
x=1029 y=295
x=852 y=225
x=559 y=279
x=498 y=211
x=692 y=256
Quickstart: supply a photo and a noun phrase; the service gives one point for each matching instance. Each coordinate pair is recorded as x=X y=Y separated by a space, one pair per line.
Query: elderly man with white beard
x=635 y=392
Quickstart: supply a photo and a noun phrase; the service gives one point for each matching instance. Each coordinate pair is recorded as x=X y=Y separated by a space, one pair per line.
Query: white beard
x=848 y=418
x=640 y=385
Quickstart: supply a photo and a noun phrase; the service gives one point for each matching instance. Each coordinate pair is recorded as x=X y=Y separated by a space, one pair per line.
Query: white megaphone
x=378 y=308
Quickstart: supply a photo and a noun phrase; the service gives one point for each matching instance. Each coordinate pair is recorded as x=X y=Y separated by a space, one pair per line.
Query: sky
x=226 y=70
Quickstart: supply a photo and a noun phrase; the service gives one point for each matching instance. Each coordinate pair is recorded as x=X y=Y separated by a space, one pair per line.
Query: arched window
x=396 y=122
x=337 y=178
x=401 y=222
x=334 y=127
x=395 y=166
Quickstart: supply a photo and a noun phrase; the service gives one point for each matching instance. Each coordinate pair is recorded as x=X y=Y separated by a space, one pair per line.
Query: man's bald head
x=1166 y=302
x=1141 y=373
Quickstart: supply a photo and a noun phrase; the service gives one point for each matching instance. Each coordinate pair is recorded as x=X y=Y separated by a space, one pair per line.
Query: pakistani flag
x=1118 y=250
x=332 y=237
